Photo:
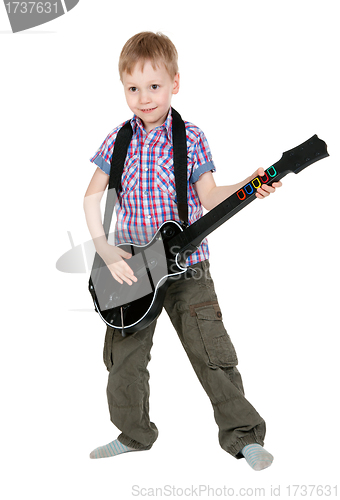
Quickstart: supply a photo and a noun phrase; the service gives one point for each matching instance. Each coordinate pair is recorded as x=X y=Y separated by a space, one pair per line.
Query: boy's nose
x=144 y=97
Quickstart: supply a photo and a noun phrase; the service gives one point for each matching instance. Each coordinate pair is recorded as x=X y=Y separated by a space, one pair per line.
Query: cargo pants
x=192 y=306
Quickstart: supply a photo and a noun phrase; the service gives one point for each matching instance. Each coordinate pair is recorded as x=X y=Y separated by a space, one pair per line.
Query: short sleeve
x=103 y=155
x=201 y=158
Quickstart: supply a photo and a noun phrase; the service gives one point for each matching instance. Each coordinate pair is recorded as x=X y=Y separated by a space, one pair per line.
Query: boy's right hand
x=114 y=259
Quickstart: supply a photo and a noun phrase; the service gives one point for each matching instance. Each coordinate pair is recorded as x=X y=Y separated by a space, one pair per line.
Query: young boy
x=149 y=73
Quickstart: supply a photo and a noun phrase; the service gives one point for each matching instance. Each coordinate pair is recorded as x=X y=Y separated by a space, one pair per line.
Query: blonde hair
x=148 y=46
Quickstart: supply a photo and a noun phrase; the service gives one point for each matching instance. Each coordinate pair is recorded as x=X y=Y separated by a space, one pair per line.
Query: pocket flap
x=207 y=310
x=217 y=343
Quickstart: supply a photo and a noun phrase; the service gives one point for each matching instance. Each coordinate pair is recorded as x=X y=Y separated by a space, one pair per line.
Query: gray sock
x=257 y=457
x=110 y=450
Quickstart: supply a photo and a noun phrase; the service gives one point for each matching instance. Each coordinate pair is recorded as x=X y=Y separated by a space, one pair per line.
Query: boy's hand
x=114 y=259
x=265 y=190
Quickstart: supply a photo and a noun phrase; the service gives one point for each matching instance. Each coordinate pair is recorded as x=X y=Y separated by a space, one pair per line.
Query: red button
x=239 y=195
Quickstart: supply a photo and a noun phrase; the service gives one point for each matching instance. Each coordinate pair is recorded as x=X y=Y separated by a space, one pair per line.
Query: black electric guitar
x=156 y=265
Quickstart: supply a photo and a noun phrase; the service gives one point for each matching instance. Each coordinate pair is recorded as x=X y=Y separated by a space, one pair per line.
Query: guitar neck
x=294 y=160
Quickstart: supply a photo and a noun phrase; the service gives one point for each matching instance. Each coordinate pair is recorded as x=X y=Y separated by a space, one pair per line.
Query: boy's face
x=148 y=93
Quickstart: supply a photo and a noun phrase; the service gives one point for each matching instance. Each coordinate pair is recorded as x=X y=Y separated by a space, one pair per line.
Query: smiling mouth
x=147 y=110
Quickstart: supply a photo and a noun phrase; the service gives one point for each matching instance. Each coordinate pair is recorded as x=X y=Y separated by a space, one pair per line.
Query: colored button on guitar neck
x=248 y=188
x=264 y=178
x=271 y=172
x=241 y=195
x=256 y=183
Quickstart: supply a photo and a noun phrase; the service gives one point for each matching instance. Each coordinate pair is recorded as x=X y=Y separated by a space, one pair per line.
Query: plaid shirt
x=148 y=194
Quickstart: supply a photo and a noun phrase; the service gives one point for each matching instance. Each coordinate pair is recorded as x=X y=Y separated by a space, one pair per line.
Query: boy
x=149 y=73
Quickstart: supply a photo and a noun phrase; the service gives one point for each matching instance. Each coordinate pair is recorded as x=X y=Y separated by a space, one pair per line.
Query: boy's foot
x=110 y=450
x=257 y=457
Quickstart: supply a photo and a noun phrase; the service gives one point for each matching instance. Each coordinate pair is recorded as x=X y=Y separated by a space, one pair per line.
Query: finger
x=268 y=189
x=129 y=277
x=260 y=171
x=115 y=276
x=262 y=192
x=122 y=272
x=121 y=277
x=127 y=280
x=127 y=271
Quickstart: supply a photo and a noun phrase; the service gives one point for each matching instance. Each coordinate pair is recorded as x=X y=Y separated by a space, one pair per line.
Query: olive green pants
x=192 y=306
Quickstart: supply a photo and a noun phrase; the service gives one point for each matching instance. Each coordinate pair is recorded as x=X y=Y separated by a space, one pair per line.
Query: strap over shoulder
x=120 y=149
x=179 y=139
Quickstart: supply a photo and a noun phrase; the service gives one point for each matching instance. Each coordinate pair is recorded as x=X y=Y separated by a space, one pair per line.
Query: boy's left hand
x=265 y=190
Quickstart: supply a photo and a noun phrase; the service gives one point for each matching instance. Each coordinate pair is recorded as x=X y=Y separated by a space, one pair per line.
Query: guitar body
x=133 y=307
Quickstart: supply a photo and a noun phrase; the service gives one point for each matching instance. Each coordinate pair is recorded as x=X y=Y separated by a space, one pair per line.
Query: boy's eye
x=133 y=89
x=154 y=86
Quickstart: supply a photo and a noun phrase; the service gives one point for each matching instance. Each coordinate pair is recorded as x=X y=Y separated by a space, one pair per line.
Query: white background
x=259 y=78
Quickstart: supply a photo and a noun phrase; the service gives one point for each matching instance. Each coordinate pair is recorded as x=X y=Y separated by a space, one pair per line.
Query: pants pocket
x=107 y=352
x=216 y=340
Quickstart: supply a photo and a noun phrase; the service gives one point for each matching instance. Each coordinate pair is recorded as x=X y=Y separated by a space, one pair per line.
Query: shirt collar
x=166 y=126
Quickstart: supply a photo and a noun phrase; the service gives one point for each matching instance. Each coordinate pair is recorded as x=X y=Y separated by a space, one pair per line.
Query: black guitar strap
x=179 y=140
x=122 y=142
x=120 y=149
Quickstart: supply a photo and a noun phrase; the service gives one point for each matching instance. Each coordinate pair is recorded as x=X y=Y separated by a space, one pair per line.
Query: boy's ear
x=175 y=89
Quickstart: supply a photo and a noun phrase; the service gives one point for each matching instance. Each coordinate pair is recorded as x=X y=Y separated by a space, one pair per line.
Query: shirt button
x=148 y=216
x=146 y=192
x=146 y=169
